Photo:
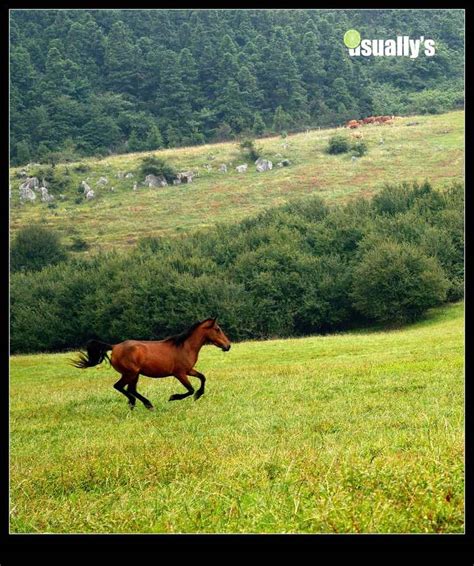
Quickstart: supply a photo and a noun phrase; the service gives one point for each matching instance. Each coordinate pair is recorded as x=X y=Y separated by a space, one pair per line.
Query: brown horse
x=174 y=356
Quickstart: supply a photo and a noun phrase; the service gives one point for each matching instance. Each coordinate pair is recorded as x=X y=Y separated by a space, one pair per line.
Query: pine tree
x=258 y=127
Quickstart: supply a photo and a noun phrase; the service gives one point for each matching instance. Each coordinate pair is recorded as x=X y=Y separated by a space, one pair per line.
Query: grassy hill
x=356 y=432
x=432 y=148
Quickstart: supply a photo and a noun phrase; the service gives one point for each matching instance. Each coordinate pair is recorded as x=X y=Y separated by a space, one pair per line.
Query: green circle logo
x=352 y=38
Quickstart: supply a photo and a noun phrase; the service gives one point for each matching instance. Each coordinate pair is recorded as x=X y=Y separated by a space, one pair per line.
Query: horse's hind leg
x=202 y=378
x=120 y=386
x=132 y=388
x=185 y=381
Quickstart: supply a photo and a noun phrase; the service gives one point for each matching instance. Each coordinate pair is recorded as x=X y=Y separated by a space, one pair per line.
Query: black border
x=326 y=547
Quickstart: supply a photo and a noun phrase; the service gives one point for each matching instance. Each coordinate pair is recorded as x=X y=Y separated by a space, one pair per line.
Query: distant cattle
x=374 y=120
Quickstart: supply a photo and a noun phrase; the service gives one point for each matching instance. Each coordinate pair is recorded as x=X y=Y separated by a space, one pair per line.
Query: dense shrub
x=338 y=144
x=248 y=150
x=35 y=247
x=397 y=283
x=296 y=269
x=359 y=148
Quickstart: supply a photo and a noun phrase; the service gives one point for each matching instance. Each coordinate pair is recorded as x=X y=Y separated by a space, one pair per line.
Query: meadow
x=358 y=432
x=412 y=148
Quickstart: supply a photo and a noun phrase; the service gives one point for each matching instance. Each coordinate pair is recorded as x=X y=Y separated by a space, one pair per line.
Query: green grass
x=433 y=150
x=356 y=432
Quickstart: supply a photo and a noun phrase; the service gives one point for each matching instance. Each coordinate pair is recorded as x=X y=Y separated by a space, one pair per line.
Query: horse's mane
x=180 y=338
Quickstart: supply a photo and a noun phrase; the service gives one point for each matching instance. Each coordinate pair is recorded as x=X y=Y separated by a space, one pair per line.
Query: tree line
x=294 y=270
x=92 y=82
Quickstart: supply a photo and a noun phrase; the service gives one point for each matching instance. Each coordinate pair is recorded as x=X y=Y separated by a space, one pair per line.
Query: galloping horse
x=173 y=356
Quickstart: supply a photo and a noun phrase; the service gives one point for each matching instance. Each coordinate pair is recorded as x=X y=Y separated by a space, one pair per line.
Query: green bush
x=249 y=151
x=35 y=247
x=359 y=148
x=157 y=166
x=338 y=144
x=397 y=283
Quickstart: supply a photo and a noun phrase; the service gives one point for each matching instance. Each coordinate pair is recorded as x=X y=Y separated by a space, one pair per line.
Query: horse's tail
x=96 y=354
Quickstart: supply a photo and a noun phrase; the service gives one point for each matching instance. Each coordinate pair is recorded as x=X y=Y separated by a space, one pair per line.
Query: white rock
x=241 y=168
x=45 y=196
x=154 y=181
x=85 y=187
x=263 y=165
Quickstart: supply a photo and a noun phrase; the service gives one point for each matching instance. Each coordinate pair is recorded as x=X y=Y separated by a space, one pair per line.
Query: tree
x=35 y=247
x=281 y=120
x=258 y=127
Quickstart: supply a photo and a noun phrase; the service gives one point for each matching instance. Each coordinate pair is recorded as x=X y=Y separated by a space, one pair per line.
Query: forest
x=96 y=82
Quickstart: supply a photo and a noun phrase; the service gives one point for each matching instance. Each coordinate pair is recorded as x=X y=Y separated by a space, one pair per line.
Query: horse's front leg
x=182 y=378
x=202 y=378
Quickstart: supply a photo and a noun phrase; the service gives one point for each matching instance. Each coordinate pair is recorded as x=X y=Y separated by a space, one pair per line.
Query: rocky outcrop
x=27 y=194
x=155 y=181
x=85 y=187
x=185 y=177
x=30 y=183
x=263 y=165
x=102 y=181
x=223 y=168
x=241 y=168
x=45 y=196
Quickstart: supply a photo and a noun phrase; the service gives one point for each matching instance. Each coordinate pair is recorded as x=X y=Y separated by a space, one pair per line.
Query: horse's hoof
x=198 y=394
x=173 y=398
x=132 y=407
x=151 y=408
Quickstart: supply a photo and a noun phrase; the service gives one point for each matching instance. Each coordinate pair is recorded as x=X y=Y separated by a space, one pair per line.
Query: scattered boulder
x=207 y=167
x=263 y=165
x=102 y=181
x=26 y=193
x=90 y=195
x=45 y=196
x=283 y=163
x=120 y=175
x=155 y=181
x=241 y=168
x=134 y=186
x=30 y=183
x=129 y=176
x=85 y=187
x=223 y=168
x=176 y=181
x=412 y=123
x=185 y=177
x=23 y=173
x=354 y=159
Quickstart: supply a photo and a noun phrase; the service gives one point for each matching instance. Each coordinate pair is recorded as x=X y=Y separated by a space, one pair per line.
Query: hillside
x=356 y=432
x=412 y=148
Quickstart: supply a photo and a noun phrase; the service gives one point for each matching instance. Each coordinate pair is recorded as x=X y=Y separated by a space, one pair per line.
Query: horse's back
x=142 y=356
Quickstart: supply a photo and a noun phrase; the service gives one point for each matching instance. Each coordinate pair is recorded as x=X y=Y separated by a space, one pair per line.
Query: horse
x=174 y=356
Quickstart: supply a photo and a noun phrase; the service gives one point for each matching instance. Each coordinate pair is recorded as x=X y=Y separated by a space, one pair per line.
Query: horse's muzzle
x=226 y=348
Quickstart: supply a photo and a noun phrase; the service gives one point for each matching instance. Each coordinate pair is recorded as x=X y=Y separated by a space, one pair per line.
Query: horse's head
x=214 y=335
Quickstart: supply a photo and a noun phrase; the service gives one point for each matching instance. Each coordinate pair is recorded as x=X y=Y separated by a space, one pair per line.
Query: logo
x=402 y=46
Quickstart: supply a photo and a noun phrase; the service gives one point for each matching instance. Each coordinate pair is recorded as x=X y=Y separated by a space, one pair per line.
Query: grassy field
x=356 y=432
x=431 y=149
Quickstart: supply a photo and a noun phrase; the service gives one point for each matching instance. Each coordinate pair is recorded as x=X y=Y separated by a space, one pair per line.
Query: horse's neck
x=195 y=342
